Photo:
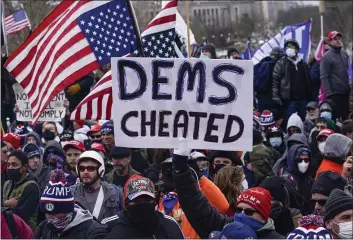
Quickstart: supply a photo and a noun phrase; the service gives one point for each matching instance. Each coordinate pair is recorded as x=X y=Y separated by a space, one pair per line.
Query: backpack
x=262 y=75
x=10 y=220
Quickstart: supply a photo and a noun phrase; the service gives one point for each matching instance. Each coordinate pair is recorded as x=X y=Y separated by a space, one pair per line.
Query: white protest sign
x=55 y=111
x=158 y=101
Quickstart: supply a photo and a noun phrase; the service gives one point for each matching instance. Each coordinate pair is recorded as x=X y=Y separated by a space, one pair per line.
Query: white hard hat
x=93 y=155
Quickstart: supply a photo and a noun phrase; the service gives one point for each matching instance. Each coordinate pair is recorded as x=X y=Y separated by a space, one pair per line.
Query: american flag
x=158 y=40
x=76 y=38
x=320 y=50
x=16 y=22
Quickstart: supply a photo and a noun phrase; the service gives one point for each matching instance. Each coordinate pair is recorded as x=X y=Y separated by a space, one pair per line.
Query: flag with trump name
x=158 y=40
x=300 y=32
x=76 y=38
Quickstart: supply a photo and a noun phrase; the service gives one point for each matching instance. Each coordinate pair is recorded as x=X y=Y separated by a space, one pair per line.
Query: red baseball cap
x=333 y=34
x=94 y=128
x=324 y=133
x=75 y=144
x=98 y=147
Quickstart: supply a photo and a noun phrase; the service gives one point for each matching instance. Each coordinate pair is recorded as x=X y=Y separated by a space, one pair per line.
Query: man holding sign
x=207 y=102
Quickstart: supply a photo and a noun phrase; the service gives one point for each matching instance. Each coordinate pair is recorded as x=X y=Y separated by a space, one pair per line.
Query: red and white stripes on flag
x=16 y=21
x=98 y=104
x=320 y=50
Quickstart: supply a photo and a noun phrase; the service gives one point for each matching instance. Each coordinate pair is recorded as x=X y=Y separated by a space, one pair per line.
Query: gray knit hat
x=337 y=146
x=337 y=202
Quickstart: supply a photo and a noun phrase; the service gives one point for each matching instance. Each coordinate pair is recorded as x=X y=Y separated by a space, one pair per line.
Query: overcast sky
x=310 y=2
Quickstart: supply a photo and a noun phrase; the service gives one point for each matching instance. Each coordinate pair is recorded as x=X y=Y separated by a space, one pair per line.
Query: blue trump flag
x=248 y=52
x=350 y=70
x=300 y=32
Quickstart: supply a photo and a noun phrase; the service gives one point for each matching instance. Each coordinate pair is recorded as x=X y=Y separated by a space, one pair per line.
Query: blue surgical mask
x=204 y=172
x=276 y=142
x=245 y=184
x=248 y=221
x=326 y=115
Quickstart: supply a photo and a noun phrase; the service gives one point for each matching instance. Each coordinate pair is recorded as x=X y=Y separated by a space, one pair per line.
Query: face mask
x=204 y=172
x=322 y=147
x=14 y=174
x=276 y=142
x=60 y=224
x=326 y=115
x=290 y=52
x=218 y=167
x=245 y=184
x=48 y=135
x=204 y=56
x=276 y=210
x=303 y=166
x=249 y=221
x=141 y=212
x=346 y=231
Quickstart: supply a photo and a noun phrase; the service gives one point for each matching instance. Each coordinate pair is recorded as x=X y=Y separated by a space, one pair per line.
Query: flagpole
x=3 y=28
x=188 y=26
x=135 y=24
x=322 y=26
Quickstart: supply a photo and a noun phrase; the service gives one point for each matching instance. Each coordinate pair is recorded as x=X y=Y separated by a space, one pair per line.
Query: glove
x=276 y=209
x=181 y=156
x=74 y=89
x=277 y=101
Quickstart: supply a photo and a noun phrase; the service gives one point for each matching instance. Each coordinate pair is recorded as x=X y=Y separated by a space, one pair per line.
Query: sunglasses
x=96 y=136
x=89 y=168
x=247 y=211
x=320 y=202
x=305 y=159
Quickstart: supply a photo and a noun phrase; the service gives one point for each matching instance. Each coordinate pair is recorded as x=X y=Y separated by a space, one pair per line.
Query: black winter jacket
x=122 y=228
x=81 y=227
x=281 y=86
x=202 y=216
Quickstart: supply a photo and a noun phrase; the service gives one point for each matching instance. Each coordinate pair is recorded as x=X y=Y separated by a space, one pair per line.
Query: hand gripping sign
x=207 y=102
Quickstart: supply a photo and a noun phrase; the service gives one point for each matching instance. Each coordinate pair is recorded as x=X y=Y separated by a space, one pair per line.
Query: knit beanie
x=31 y=150
x=337 y=147
x=326 y=182
x=57 y=197
x=303 y=233
x=12 y=138
x=311 y=222
x=337 y=202
x=259 y=199
x=108 y=127
x=267 y=118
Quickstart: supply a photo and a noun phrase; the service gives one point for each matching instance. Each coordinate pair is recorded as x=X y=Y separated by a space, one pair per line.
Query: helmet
x=292 y=41
x=92 y=155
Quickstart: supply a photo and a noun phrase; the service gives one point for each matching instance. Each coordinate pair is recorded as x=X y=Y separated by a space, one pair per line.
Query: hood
x=260 y=153
x=80 y=217
x=40 y=164
x=296 y=121
x=325 y=105
x=36 y=136
x=297 y=138
x=292 y=166
x=270 y=225
x=53 y=146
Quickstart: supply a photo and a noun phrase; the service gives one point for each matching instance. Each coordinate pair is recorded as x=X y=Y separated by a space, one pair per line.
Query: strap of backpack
x=117 y=192
x=11 y=223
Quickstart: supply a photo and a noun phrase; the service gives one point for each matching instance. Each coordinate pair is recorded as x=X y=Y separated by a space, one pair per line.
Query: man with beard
x=107 y=131
x=139 y=219
x=73 y=150
x=102 y=199
x=95 y=133
x=121 y=158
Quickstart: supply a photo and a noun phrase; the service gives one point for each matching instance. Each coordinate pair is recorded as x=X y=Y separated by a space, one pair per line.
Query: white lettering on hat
x=60 y=191
x=49 y=207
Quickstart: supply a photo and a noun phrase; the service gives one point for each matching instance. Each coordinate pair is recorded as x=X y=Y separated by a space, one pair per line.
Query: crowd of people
x=69 y=180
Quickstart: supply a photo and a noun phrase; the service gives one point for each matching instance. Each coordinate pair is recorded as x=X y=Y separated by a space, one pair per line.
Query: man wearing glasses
x=101 y=199
x=322 y=187
x=95 y=133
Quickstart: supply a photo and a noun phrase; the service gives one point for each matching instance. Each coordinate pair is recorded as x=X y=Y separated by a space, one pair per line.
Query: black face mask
x=276 y=210
x=140 y=213
x=48 y=135
x=14 y=174
x=97 y=141
x=218 y=167
x=168 y=184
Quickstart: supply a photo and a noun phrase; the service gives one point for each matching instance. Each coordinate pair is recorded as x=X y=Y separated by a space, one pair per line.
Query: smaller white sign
x=55 y=111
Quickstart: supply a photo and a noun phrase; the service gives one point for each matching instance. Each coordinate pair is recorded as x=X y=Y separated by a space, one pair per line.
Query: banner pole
x=188 y=26
x=322 y=26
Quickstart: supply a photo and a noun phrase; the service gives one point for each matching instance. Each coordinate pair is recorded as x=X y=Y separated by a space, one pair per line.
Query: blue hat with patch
x=234 y=230
x=303 y=233
x=108 y=127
